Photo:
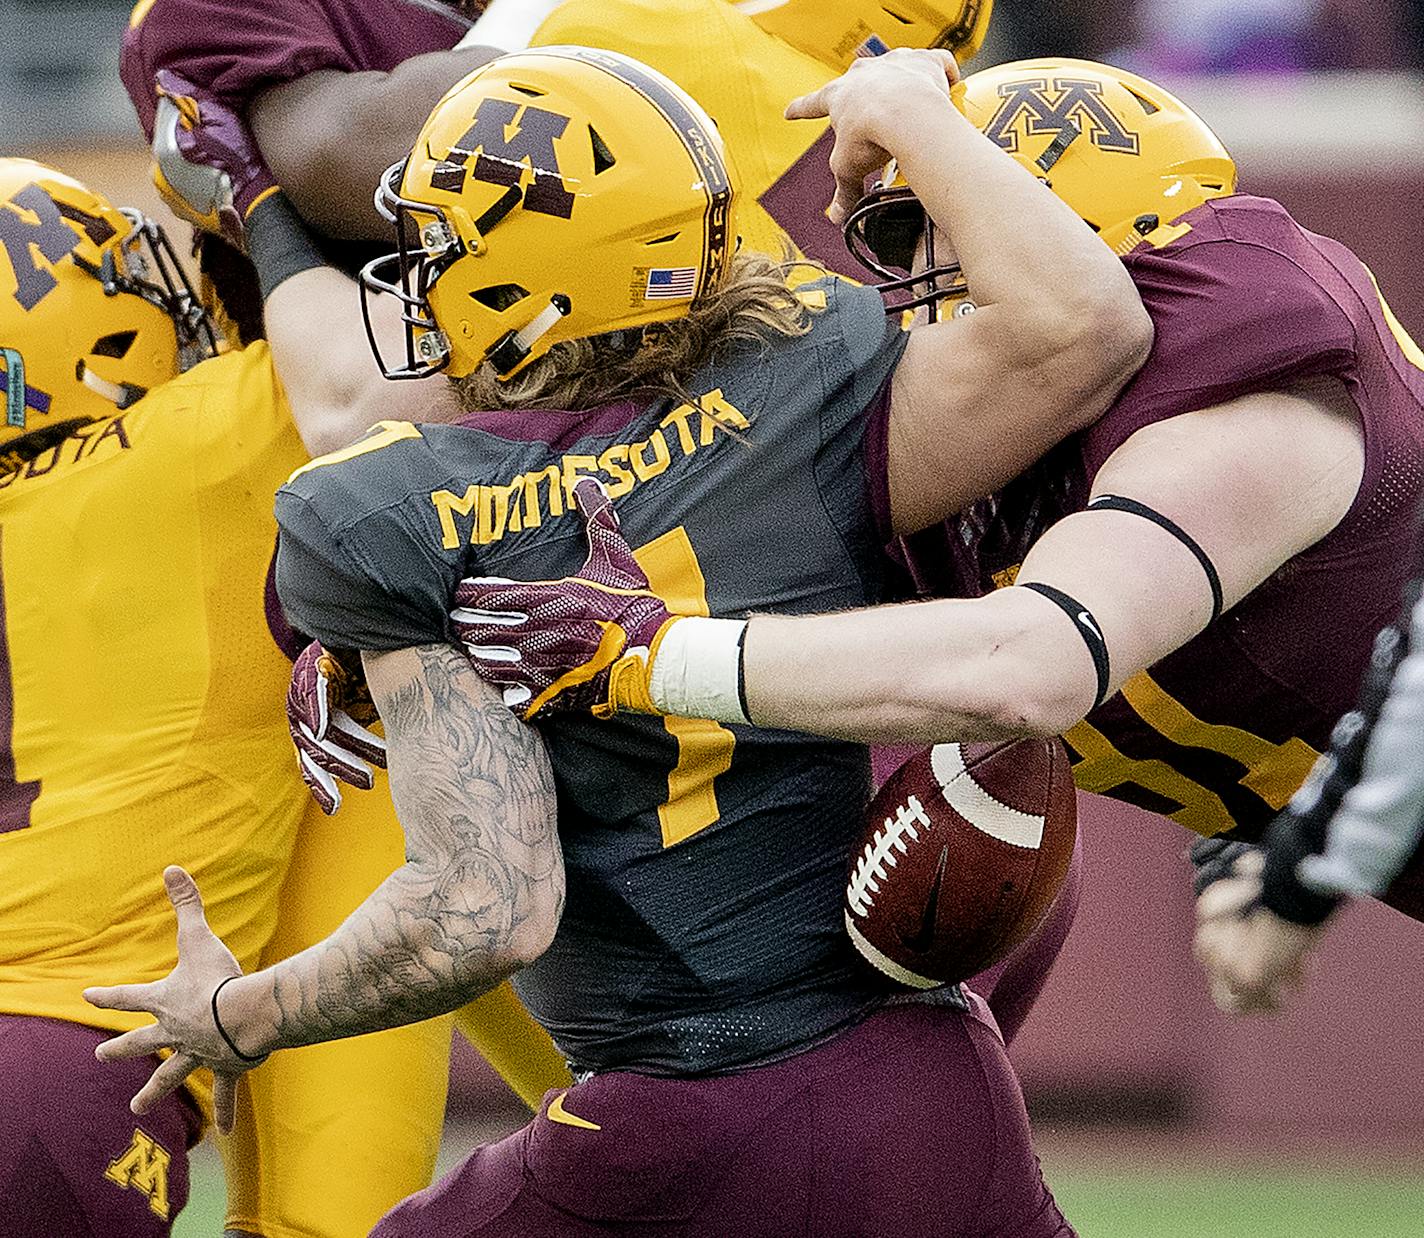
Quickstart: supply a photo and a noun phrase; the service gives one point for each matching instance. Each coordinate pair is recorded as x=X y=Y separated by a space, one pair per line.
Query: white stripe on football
x=977 y=806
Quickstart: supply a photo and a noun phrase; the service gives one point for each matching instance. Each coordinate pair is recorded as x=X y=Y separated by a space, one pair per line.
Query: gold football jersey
x=141 y=691
x=743 y=76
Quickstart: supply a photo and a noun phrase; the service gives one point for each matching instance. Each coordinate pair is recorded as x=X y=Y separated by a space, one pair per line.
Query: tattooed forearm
x=482 y=887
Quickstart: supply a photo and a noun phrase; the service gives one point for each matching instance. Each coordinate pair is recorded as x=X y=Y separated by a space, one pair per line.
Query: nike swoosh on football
x=923 y=938
x=557 y=1113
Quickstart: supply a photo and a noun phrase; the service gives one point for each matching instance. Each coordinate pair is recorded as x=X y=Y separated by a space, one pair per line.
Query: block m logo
x=1068 y=106
x=501 y=157
x=49 y=235
x=144 y=1168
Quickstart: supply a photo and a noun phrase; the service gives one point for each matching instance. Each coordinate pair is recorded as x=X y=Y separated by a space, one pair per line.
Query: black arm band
x=1087 y=628
x=279 y=244
x=1116 y=503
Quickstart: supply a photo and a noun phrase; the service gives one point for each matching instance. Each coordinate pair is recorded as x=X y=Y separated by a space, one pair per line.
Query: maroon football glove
x=209 y=169
x=328 y=712
x=583 y=643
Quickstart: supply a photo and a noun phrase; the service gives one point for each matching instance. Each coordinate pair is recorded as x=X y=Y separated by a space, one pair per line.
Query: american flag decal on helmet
x=669 y=283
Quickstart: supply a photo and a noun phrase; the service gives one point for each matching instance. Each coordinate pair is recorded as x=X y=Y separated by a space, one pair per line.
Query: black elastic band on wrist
x=279 y=244
x=1116 y=503
x=1087 y=628
x=222 y=1031
x=742 y=671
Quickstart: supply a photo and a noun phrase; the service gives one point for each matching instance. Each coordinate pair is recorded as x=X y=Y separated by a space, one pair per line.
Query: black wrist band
x=279 y=244
x=1282 y=890
x=742 y=672
x=222 y=1031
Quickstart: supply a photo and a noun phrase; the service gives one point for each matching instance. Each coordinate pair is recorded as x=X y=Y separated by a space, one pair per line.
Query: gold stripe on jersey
x=704 y=748
x=1274 y=772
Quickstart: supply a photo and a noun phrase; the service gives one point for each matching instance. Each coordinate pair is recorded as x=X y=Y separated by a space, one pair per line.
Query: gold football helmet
x=837 y=31
x=552 y=195
x=94 y=307
x=1125 y=154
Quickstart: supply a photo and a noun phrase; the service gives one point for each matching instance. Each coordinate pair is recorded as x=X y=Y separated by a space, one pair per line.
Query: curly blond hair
x=754 y=306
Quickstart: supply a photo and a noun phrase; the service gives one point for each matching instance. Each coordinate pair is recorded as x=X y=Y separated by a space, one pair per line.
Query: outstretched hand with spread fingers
x=183 y=1005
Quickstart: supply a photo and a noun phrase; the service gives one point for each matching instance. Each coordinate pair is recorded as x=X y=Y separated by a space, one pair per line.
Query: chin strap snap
x=120 y=394
x=512 y=349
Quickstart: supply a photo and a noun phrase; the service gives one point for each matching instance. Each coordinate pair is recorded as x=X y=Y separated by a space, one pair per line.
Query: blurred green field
x=1150 y=1203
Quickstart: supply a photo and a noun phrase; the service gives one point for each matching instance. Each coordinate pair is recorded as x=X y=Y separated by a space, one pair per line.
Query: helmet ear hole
x=602 y=157
x=1145 y=103
x=116 y=344
x=499 y=297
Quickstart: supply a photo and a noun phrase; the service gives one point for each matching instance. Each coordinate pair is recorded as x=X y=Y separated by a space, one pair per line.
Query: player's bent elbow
x=1093 y=350
x=1130 y=332
x=536 y=930
x=1076 y=358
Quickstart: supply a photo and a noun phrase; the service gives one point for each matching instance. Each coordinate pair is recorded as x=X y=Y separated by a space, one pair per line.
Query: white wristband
x=508 y=24
x=698 y=670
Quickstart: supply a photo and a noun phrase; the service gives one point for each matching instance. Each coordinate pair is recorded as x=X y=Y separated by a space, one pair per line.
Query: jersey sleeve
x=236 y=51
x=859 y=355
x=1231 y=318
x=357 y=572
x=866 y=349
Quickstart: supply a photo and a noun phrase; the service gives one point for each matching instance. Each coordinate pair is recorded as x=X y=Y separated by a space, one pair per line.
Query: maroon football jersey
x=1221 y=733
x=237 y=50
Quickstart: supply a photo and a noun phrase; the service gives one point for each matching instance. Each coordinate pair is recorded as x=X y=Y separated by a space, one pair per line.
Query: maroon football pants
x=909 y=1124
x=73 y=1160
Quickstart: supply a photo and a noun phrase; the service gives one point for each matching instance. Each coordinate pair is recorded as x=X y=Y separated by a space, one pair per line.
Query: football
x=965 y=848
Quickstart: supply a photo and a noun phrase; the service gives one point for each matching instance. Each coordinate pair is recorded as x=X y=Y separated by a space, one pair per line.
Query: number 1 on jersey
x=704 y=749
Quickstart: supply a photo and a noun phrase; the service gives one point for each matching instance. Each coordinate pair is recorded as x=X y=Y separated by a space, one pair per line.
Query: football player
x=1181 y=609
x=731 y=417
x=335 y=90
x=1351 y=830
x=137 y=503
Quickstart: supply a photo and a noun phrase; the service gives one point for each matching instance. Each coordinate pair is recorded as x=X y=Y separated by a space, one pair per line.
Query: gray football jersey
x=703 y=926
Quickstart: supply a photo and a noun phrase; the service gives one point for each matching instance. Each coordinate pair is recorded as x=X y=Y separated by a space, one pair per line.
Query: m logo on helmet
x=51 y=237
x=501 y=157
x=1070 y=105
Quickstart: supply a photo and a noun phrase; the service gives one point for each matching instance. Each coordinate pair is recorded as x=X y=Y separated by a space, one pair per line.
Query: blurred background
x=1155 y=1114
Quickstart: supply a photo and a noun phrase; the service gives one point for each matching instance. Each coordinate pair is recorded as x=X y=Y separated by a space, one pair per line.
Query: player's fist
x=1253 y=958
x=208 y=167
x=865 y=105
x=585 y=642
x=329 y=715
